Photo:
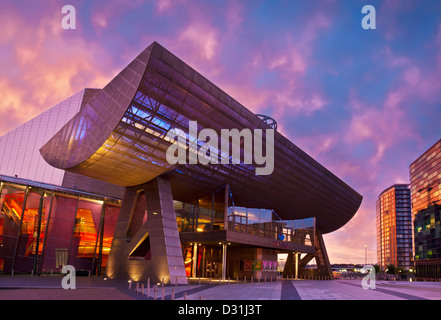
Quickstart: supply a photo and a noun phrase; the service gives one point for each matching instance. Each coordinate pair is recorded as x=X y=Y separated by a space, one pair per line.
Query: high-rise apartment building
x=394 y=227
x=425 y=179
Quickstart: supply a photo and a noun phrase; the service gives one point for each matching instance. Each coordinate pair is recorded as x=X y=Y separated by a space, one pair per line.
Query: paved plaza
x=49 y=288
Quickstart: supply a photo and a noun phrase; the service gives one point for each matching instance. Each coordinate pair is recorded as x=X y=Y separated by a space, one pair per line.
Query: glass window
x=60 y=229
x=11 y=202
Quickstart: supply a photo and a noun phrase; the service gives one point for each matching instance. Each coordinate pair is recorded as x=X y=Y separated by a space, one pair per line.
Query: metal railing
x=295 y=236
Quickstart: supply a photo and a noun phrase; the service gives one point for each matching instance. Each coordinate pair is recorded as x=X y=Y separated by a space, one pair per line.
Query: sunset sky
x=364 y=103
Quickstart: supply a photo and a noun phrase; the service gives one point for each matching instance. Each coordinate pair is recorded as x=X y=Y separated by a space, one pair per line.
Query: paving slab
x=98 y=288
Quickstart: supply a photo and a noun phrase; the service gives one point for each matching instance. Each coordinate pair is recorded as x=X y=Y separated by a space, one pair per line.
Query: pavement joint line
x=393 y=285
x=291 y=289
x=392 y=292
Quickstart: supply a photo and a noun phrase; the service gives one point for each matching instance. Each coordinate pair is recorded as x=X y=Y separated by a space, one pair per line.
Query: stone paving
x=96 y=288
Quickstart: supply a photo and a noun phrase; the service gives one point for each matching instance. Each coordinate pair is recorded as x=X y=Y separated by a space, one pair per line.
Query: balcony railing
x=298 y=236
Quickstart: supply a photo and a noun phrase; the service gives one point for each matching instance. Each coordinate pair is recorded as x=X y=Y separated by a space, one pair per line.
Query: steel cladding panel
x=119 y=137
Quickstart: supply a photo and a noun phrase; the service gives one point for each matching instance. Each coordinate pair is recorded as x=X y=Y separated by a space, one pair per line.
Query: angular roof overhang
x=119 y=136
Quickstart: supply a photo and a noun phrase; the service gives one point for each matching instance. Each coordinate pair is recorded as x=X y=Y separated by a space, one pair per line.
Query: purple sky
x=364 y=103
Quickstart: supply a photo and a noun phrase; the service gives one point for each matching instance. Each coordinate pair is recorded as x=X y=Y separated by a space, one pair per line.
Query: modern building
x=45 y=207
x=425 y=179
x=394 y=228
x=101 y=194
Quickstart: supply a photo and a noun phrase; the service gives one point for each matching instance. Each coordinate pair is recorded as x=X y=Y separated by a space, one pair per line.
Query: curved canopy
x=120 y=136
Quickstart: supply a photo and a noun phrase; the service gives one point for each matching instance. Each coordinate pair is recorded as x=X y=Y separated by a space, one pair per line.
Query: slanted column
x=153 y=249
x=166 y=254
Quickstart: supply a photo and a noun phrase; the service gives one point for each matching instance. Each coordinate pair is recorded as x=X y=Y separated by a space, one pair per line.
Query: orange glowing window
x=86 y=231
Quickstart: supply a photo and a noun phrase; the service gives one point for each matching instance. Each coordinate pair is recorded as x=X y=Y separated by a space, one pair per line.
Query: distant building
x=394 y=227
x=425 y=179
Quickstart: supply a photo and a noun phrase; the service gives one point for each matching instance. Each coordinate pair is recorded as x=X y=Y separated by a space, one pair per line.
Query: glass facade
x=42 y=229
x=394 y=228
x=425 y=178
x=266 y=223
x=203 y=258
x=202 y=261
x=202 y=215
x=427 y=230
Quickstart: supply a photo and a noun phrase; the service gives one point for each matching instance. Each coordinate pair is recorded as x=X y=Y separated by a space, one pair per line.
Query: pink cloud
x=49 y=62
x=381 y=126
x=317 y=145
x=166 y=6
x=383 y=123
x=104 y=15
x=201 y=39
x=348 y=242
x=234 y=16
x=293 y=96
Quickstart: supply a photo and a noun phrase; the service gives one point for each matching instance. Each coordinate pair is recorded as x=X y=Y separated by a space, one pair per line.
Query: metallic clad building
x=195 y=220
x=20 y=156
x=55 y=210
x=425 y=178
x=119 y=137
x=394 y=227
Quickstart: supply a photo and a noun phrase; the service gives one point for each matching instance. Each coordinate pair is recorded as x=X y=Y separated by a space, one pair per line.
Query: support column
x=224 y=261
x=212 y=212
x=227 y=191
x=69 y=251
x=289 y=268
x=17 y=241
x=296 y=266
x=46 y=231
x=1 y=190
x=195 y=260
x=321 y=256
x=204 y=267
x=152 y=250
x=101 y=240
x=37 y=245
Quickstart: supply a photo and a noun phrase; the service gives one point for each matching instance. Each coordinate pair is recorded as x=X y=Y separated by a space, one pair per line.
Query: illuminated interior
x=56 y=222
x=12 y=208
x=86 y=231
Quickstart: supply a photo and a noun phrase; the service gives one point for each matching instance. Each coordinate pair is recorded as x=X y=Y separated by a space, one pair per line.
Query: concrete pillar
x=224 y=261
x=157 y=238
x=296 y=266
x=195 y=259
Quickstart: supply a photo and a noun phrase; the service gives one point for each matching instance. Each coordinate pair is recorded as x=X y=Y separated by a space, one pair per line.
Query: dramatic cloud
x=364 y=103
